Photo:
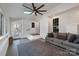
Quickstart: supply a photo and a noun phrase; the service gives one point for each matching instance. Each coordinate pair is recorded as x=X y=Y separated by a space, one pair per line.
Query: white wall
x=69 y=20
x=68 y=17
x=43 y=26
x=37 y=25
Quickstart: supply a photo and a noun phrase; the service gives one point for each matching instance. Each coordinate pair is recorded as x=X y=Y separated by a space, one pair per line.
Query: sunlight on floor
x=33 y=37
x=12 y=50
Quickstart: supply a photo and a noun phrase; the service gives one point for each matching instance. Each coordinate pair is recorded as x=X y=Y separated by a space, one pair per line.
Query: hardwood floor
x=35 y=47
x=12 y=50
x=40 y=48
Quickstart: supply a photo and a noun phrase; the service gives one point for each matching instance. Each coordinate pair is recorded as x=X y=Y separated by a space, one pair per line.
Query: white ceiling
x=17 y=10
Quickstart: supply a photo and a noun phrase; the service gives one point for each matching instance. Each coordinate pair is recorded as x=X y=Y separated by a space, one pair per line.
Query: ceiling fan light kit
x=34 y=10
x=27 y=12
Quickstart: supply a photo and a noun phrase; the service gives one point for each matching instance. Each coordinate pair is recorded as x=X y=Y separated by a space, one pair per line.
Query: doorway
x=24 y=28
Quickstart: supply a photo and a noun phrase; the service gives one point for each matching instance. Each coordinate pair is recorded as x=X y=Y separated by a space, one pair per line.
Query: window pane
x=0 y=25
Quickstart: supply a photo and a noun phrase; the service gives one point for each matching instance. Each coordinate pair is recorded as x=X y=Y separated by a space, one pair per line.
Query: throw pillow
x=50 y=35
x=71 y=37
x=76 y=41
x=55 y=35
x=62 y=36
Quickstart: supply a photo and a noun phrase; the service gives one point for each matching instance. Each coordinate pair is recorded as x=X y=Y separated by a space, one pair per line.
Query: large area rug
x=40 y=48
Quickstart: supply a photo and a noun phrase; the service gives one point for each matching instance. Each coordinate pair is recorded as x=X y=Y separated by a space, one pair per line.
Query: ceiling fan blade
x=40 y=6
x=39 y=13
x=27 y=7
x=33 y=6
x=42 y=10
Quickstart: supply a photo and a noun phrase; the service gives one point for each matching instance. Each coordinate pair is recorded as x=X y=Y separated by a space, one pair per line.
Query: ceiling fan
x=35 y=10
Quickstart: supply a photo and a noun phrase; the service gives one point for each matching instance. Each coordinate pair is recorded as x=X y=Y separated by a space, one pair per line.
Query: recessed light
x=27 y=12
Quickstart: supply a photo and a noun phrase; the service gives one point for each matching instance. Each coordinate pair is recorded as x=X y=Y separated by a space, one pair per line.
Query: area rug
x=40 y=48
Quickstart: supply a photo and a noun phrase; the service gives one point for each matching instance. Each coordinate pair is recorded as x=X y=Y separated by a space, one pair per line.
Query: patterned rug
x=40 y=48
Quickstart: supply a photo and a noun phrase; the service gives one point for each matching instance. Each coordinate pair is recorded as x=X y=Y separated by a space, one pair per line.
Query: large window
x=56 y=25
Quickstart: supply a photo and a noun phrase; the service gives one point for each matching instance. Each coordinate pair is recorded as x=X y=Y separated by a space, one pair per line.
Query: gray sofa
x=68 y=41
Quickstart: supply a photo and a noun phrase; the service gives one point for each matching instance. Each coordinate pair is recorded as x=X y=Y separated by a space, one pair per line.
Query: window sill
x=1 y=37
x=3 y=44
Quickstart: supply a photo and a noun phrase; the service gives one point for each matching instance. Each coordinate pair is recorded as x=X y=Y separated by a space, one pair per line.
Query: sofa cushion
x=76 y=41
x=55 y=35
x=57 y=41
x=77 y=35
x=62 y=36
x=50 y=35
x=72 y=45
x=71 y=37
x=49 y=38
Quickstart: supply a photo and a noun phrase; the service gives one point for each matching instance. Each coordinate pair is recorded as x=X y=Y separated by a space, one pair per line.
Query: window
x=1 y=24
x=56 y=25
x=33 y=25
x=6 y=26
